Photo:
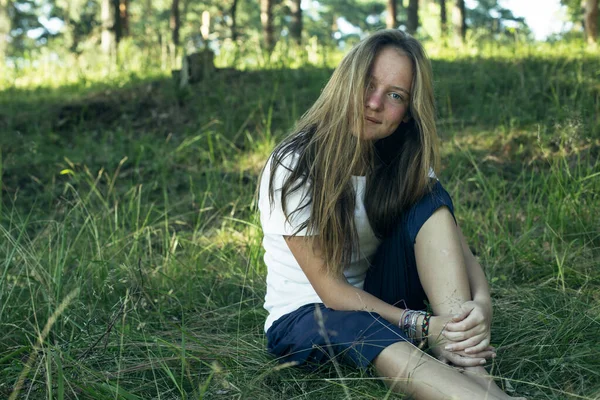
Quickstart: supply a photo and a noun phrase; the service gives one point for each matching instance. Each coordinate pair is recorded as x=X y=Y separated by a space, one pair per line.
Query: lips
x=373 y=120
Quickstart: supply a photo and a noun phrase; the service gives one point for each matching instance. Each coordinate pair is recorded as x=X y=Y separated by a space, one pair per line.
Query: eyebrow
x=398 y=88
x=401 y=89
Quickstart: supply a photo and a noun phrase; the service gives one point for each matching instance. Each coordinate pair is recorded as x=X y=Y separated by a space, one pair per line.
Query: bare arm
x=451 y=279
x=335 y=291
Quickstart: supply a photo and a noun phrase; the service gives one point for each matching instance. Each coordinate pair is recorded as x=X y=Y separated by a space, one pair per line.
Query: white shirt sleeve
x=272 y=217
x=432 y=174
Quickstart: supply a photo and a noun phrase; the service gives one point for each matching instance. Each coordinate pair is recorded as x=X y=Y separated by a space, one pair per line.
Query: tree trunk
x=232 y=13
x=117 y=23
x=412 y=13
x=205 y=26
x=174 y=22
x=296 y=25
x=591 y=21
x=391 y=22
x=266 y=20
x=148 y=15
x=459 y=18
x=443 y=18
x=124 y=17
x=107 y=39
x=4 y=28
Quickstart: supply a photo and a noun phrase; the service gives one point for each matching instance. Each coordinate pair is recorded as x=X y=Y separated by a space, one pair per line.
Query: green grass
x=131 y=259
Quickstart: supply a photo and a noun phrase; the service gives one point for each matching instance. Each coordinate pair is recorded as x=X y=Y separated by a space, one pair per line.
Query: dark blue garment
x=312 y=337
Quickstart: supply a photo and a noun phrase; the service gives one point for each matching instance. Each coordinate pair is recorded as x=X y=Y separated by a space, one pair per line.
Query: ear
x=407 y=117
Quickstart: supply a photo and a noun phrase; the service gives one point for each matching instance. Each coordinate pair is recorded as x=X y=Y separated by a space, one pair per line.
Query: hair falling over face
x=326 y=141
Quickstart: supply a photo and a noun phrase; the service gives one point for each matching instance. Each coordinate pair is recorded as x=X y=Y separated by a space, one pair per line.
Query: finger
x=463 y=335
x=481 y=346
x=469 y=343
x=487 y=354
x=460 y=316
x=464 y=325
x=461 y=361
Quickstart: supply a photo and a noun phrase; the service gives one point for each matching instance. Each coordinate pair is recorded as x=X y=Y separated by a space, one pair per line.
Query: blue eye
x=396 y=97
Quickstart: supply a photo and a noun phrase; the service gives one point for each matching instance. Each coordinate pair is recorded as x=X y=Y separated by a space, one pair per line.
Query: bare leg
x=443 y=275
x=441 y=264
x=408 y=370
x=486 y=381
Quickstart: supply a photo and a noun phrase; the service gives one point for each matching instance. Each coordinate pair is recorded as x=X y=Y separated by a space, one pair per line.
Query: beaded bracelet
x=408 y=323
x=425 y=328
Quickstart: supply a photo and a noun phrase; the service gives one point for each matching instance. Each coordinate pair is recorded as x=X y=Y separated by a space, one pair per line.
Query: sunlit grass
x=139 y=196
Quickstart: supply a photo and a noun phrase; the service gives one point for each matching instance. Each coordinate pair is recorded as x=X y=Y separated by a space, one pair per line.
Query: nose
x=374 y=101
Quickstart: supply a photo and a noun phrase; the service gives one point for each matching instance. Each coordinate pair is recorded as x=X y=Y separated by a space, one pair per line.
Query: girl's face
x=388 y=93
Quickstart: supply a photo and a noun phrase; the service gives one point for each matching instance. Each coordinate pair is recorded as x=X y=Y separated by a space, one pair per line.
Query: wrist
x=415 y=324
x=420 y=320
x=485 y=301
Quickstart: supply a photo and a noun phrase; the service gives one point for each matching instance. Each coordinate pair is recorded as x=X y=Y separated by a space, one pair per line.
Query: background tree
x=23 y=18
x=296 y=23
x=121 y=19
x=4 y=27
x=490 y=19
x=591 y=21
x=443 y=18
x=412 y=12
x=174 y=23
x=459 y=18
x=582 y=18
x=232 y=14
x=158 y=27
x=391 y=20
x=108 y=42
x=364 y=14
x=80 y=18
x=266 y=19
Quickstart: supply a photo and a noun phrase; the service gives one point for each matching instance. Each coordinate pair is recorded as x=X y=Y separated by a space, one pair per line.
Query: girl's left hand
x=470 y=330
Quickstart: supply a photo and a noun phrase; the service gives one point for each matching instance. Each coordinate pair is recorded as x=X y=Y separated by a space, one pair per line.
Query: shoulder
x=279 y=167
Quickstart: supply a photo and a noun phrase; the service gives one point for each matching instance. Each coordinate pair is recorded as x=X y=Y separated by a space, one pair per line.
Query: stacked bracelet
x=408 y=323
x=425 y=328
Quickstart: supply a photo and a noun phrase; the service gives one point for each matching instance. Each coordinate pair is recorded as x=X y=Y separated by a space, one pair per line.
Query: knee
x=398 y=361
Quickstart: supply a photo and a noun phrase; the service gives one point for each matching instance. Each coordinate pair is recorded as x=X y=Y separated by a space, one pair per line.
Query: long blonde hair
x=328 y=149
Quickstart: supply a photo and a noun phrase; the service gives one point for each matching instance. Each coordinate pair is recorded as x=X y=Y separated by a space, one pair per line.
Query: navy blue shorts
x=311 y=337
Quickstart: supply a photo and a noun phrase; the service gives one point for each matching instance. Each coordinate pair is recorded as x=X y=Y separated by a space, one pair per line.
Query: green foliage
x=490 y=17
x=23 y=18
x=150 y=31
x=140 y=195
x=81 y=20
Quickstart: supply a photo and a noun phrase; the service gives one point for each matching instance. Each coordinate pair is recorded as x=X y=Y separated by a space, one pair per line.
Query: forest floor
x=130 y=252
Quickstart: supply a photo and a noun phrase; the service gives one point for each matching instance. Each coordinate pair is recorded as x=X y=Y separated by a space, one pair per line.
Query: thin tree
x=412 y=12
x=460 y=20
x=174 y=23
x=108 y=42
x=296 y=23
x=443 y=18
x=232 y=14
x=4 y=28
x=391 y=20
x=591 y=21
x=123 y=18
x=266 y=20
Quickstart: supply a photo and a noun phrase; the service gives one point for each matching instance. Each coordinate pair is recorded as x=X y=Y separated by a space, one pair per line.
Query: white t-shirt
x=288 y=287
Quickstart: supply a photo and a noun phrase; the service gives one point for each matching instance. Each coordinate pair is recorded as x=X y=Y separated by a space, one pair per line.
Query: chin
x=368 y=136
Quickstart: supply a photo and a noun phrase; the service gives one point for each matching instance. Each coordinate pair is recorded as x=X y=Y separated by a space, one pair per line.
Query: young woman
x=366 y=263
